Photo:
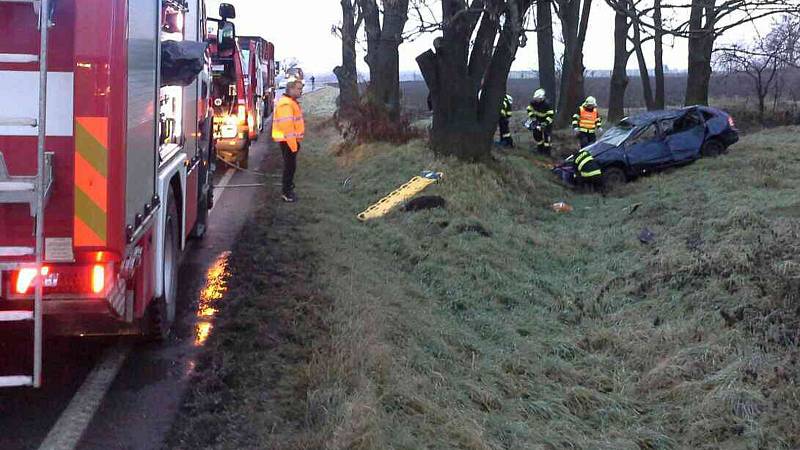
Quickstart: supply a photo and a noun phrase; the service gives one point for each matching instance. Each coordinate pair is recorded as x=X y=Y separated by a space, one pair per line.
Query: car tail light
x=98 y=278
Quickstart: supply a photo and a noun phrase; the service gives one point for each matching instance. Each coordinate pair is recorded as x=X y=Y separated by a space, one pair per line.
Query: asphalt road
x=140 y=405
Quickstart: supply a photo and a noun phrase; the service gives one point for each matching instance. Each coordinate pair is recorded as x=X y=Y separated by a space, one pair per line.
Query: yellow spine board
x=398 y=196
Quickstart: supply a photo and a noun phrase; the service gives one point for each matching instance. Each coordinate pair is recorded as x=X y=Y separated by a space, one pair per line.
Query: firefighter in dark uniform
x=505 y=115
x=540 y=115
x=587 y=122
x=587 y=170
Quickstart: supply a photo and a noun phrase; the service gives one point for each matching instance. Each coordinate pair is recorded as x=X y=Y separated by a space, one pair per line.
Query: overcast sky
x=302 y=29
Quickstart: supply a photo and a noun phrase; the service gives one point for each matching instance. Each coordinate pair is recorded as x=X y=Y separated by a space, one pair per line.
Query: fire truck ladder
x=33 y=190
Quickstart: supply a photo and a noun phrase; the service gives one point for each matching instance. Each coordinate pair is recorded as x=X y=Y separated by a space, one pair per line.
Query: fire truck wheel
x=203 y=205
x=162 y=310
x=244 y=157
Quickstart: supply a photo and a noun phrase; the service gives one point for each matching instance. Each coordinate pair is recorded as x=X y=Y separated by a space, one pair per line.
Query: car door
x=646 y=150
x=685 y=135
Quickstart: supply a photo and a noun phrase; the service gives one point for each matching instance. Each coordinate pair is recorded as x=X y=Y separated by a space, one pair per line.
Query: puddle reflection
x=214 y=290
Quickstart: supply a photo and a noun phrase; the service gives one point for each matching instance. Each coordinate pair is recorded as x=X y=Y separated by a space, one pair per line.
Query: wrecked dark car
x=659 y=139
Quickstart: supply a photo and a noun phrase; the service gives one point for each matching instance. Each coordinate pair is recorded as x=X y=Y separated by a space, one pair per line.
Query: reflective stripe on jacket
x=587 y=166
x=541 y=112
x=587 y=121
x=287 y=122
x=505 y=110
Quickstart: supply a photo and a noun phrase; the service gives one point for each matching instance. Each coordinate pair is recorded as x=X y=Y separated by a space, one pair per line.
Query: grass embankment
x=419 y=331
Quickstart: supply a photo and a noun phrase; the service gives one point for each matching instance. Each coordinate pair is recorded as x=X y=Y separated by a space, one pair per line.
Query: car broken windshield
x=617 y=135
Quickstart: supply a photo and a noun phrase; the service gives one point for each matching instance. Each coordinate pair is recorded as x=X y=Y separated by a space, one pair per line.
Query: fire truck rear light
x=242 y=113
x=26 y=276
x=25 y=279
x=98 y=278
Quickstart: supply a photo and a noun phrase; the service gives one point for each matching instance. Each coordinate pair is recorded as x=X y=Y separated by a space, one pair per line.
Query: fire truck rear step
x=22 y=189
x=16 y=381
x=11 y=252
x=15 y=316
x=17 y=58
x=18 y=121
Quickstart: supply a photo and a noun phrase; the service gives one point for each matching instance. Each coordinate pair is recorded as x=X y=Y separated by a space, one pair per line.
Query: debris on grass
x=646 y=236
x=561 y=207
x=632 y=209
x=425 y=202
x=474 y=228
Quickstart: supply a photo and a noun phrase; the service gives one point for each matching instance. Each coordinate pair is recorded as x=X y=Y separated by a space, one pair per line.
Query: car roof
x=652 y=116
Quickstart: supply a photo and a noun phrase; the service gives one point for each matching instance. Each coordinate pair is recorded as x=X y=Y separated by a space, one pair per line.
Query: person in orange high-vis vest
x=288 y=129
x=587 y=122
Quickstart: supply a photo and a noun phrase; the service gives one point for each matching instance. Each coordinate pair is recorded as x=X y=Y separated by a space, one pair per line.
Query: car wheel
x=614 y=176
x=712 y=149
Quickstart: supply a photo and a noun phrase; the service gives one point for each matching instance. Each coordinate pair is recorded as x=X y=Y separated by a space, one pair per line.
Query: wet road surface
x=139 y=408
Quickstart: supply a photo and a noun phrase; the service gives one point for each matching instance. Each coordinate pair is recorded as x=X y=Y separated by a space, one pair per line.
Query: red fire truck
x=234 y=121
x=104 y=164
x=258 y=59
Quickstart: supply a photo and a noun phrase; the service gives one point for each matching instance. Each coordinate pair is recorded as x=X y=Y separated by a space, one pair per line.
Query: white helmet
x=539 y=94
x=590 y=101
x=509 y=98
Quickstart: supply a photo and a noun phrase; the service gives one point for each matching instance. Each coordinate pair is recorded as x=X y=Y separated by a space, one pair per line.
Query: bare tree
x=347 y=74
x=709 y=19
x=638 y=43
x=658 y=41
x=763 y=60
x=619 y=73
x=574 y=16
x=466 y=72
x=628 y=28
x=384 y=27
x=544 y=43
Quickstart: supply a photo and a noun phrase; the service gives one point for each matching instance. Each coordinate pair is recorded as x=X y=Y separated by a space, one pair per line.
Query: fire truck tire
x=244 y=157
x=162 y=309
x=204 y=203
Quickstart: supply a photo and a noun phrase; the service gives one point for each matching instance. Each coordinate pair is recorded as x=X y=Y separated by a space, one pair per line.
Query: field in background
x=496 y=323
x=731 y=93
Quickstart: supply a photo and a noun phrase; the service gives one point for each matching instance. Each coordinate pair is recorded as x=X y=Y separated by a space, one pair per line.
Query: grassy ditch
x=497 y=323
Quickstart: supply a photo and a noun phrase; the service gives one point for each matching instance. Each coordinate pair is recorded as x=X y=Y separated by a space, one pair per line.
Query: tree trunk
x=619 y=76
x=660 y=101
x=383 y=89
x=347 y=74
x=457 y=128
x=544 y=42
x=382 y=57
x=467 y=82
x=574 y=31
x=701 y=46
x=644 y=74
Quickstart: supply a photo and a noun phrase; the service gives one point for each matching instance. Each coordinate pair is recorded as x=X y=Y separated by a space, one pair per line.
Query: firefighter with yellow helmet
x=505 y=117
x=587 y=122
